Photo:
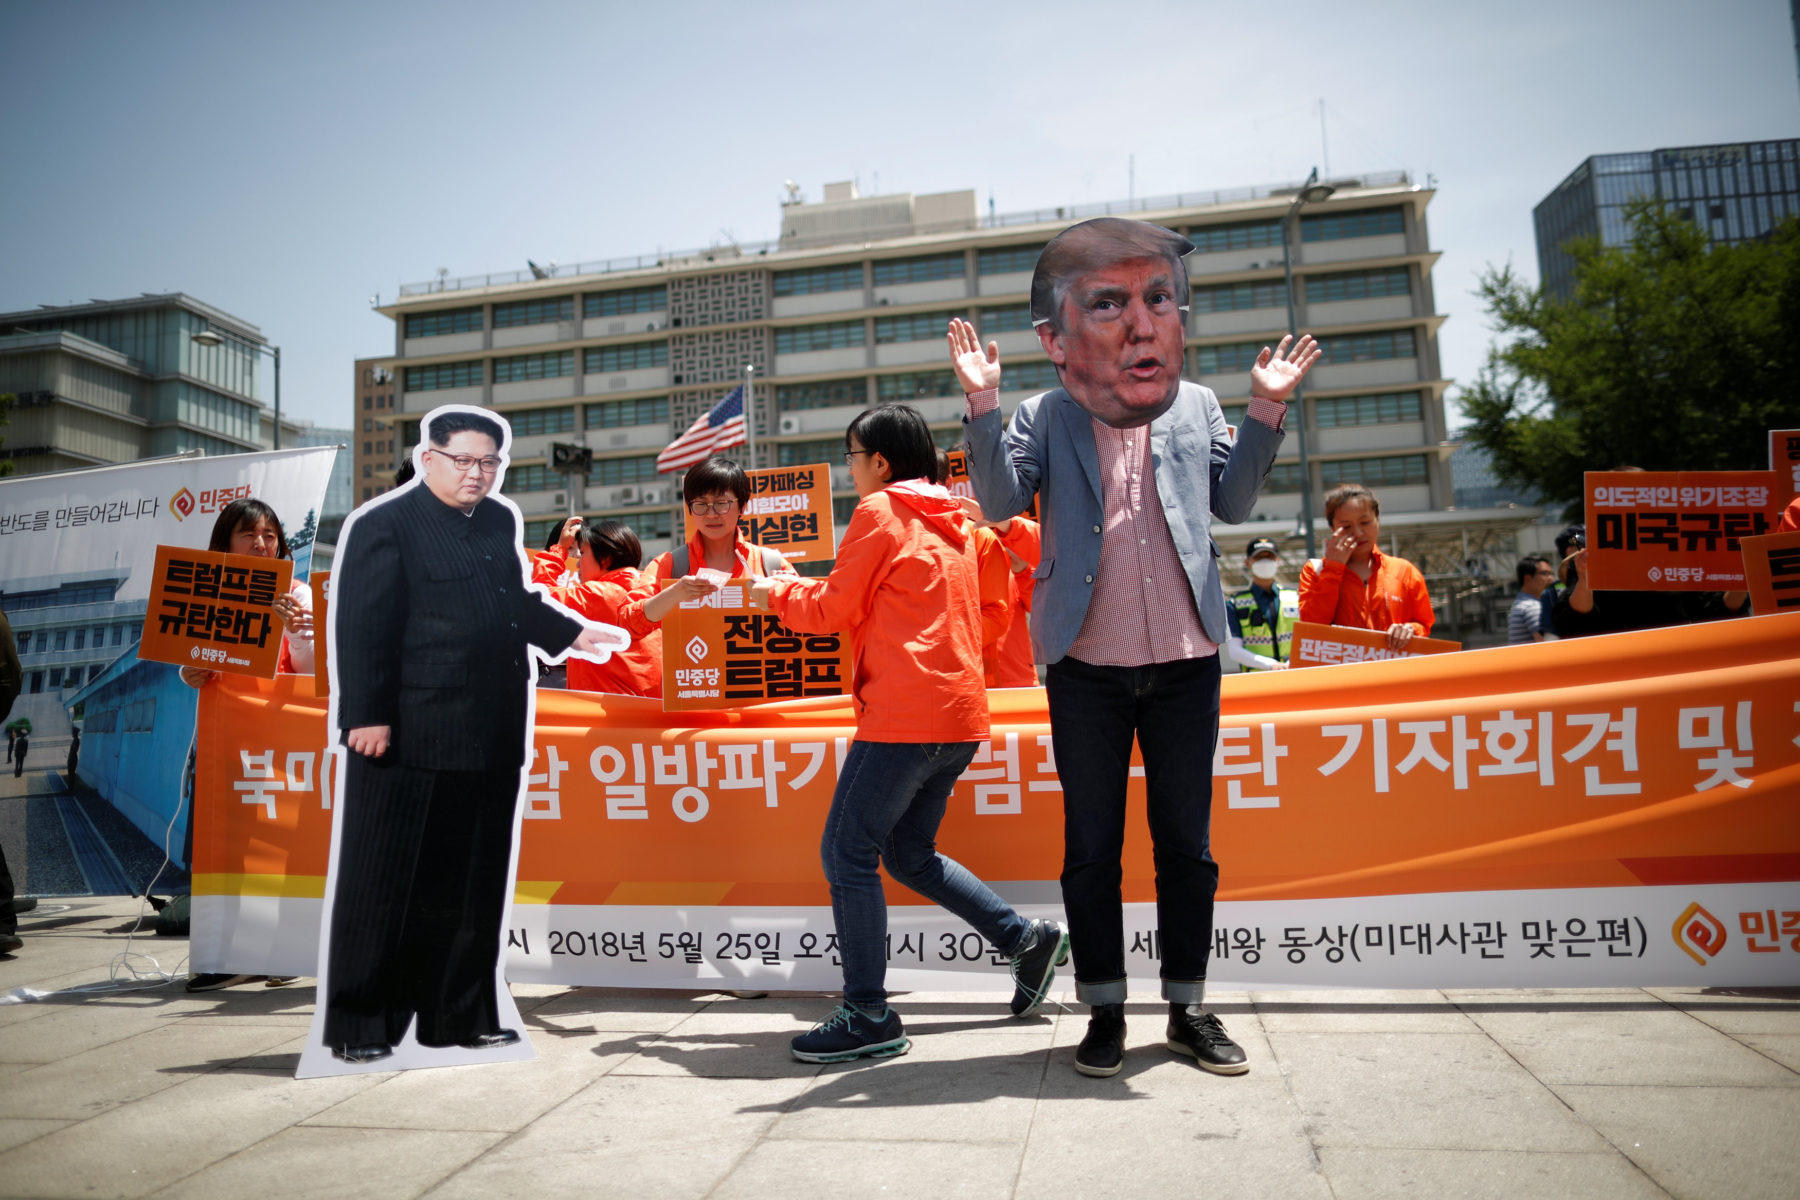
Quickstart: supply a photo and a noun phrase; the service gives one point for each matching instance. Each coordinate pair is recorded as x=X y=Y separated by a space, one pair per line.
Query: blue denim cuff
x=1184 y=991
x=1109 y=991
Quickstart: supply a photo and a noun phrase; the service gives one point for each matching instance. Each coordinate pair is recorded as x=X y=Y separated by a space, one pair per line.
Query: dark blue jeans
x=889 y=801
x=1173 y=711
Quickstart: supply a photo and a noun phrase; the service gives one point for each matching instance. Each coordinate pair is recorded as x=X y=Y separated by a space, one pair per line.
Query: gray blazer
x=1049 y=452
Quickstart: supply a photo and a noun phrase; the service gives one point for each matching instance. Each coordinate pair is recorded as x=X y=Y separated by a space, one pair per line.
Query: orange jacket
x=1014 y=666
x=749 y=566
x=1332 y=594
x=633 y=672
x=994 y=580
x=904 y=589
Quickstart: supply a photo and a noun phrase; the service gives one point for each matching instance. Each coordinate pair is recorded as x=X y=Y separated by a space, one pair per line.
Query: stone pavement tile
x=1784 y=1048
x=618 y=1010
x=894 y=1170
x=16 y=1131
x=1701 y=1142
x=250 y=1003
x=137 y=1148
x=67 y=1029
x=631 y=1136
x=1749 y=1010
x=1358 y=1174
x=87 y=1084
x=322 y=1164
x=501 y=1098
x=1601 y=1046
x=964 y=1087
x=747 y=1041
x=1359 y=1011
x=1423 y=1090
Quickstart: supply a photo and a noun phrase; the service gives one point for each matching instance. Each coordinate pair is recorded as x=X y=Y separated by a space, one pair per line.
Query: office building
x=1736 y=192
x=847 y=309
x=373 y=436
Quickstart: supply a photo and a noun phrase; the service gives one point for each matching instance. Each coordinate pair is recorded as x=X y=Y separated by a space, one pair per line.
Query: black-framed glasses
x=717 y=508
x=464 y=462
x=850 y=454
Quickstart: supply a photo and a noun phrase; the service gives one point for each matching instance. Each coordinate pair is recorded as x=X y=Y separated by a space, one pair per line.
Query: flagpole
x=750 y=413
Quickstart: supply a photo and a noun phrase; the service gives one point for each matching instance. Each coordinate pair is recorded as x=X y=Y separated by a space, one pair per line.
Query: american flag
x=722 y=427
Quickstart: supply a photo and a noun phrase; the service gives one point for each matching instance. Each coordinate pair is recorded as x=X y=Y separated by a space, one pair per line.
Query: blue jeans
x=889 y=801
x=1172 y=709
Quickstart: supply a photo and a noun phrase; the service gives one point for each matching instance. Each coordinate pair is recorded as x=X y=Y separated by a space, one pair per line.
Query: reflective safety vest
x=1258 y=637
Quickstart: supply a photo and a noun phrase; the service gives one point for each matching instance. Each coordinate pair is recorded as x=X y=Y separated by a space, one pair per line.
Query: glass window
x=444 y=375
x=1235 y=414
x=916 y=327
x=1358 y=285
x=622 y=414
x=534 y=312
x=541 y=420
x=610 y=472
x=845 y=277
x=437 y=324
x=622 y=303
x=633 y=356
x=1368 y=222
x=918 y=270
x=1005 y=320
x=1368 y=347
x=837 y=335
x=1037 y=376
x=534 y=366
x=62 y=639
x=24 y=640
x=1007 y=259
x=1240 y=235
x=1236 y=297
x=1220 y=360
x=1283 y=477
x=56 y=674
x=1400 y=471
x=799 y=454
x=916 y=385
x=824 y=393
x=533 y=477
x=1387 y=409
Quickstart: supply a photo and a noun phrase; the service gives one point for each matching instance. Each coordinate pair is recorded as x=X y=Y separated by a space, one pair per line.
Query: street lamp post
x=1311 y=191
x=214 y=337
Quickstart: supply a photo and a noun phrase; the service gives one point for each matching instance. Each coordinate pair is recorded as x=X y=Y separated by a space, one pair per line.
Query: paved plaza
x=1603 y=1093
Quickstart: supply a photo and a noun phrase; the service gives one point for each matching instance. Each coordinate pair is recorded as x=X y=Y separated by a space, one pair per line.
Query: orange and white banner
x=718 y=652
x=214 y=610
x=789 y=511
x=1315 y=645
x=1675 y=530
x=1616 y=810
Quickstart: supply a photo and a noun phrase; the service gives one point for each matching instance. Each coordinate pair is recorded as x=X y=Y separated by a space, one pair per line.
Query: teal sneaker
x=852 y=1033
x=1034 y=968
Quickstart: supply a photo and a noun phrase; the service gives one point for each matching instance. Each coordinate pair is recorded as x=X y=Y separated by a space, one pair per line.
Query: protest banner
x=1604 y=811
x=1772 y=572
x=1315 y=645
x=718 y=652
x=215 y=611
x=1674 y=530
x=1784 y=460
x=789 y=511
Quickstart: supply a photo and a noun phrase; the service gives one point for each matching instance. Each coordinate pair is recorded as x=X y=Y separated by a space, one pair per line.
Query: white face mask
x=1265 y=568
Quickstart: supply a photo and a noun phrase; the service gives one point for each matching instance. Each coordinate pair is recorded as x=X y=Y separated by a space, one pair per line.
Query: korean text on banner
x=215 y=611
x=1784 y=460
x=1316 y=645
x=789 y=511
x=1674 y=530
x=720 y=653
x=1772 y=572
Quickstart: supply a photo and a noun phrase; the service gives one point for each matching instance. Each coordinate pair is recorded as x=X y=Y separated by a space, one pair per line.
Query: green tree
x=1674 y=354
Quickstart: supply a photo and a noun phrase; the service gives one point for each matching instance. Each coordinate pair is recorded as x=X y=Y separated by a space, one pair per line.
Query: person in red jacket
x=610 y=555
x=904 y=590
x=1007 y=660
x=1355 y=584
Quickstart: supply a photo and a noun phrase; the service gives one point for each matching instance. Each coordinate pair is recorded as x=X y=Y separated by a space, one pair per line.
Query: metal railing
x=744 y=250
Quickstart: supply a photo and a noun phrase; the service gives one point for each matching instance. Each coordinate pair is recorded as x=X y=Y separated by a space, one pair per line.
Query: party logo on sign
x=1699 y=934
x=183 y=504
x=696 y=649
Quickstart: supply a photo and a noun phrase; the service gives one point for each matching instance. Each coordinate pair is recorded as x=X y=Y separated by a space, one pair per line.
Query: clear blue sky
x=286 y=162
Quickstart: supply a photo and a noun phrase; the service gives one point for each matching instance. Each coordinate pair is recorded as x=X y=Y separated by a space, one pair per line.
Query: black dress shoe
x=373 y=1052
x=1102 y=1050
x=492 y=1041
x=1199 y=1034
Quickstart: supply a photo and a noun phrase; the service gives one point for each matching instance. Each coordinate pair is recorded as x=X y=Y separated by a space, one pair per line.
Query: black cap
x=1259 y=546
x=1575 y=535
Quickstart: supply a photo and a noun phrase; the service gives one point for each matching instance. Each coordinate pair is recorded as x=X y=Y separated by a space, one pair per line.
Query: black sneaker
x=1034 y=968
x=1200 y=1035
x=1102 y=1051
x=852 y=1033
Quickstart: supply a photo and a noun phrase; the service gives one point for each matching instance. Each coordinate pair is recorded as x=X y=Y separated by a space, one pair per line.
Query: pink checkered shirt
x=1142 y=609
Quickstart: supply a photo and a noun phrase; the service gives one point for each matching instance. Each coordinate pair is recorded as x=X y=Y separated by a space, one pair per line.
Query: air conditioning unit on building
x=559 y=500
x=790 y=424
x=627 y=495
x=651 y=496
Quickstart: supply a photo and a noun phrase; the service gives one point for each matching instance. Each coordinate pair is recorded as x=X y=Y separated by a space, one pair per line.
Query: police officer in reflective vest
x=1263 y=614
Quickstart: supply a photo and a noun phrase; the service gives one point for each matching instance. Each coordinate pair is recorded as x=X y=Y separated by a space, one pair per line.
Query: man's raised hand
x=1277 y=374
x=977 y=370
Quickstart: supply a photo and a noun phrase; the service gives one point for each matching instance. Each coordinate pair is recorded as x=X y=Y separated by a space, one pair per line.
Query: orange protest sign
x=1784 y=460
x=1674 y=530
x=959 y=483
x=789 y=511
x=321 y=589
x=1772 y=572
x=1317 y=645
x=720 y=653
x=215 y=611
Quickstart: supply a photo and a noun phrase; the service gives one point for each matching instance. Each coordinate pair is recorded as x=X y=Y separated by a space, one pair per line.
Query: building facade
x=118 y=380
x=848 y=308
x=374 y=439
x=1736 y=192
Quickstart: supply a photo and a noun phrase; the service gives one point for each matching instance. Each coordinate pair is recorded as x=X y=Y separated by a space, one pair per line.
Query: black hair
x=612 y=543
x=899 y=434
x=235 y=516
x=406 y=472
x=555 y=533
x=447 y=424
x=1097 y=244
x=943 y=466
x=1528 y=566
x=715 y=475
x=1343 y=493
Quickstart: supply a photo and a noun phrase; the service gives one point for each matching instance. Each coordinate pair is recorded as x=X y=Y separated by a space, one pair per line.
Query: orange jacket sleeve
x=1319 y=590
x=994 y=578
x=1022 y=538
x=842 y=599
x=547 y=566
x=1415 y=609
x=631 y=617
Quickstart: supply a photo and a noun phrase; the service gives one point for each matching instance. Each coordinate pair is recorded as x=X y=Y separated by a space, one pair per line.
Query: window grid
x=1342 y=411
x=633 y=356
x=1241 y=235
x=1369 y=222
x=440 y=376
x=534 y=477
x=1369 y=347
x=550 y=365
x=916 y=385
x=825 y=393
x=915 y=327
x=1222 y=360
x=1007 y=260
x=799 y=454
x=541 y=420
x=623 y=303
x=1358 y=285
x=919 y=270
x=1237 y=297
x=534 y=312
x=621 y=414
x=1401 y=471
x=1010 y=319
x=438 y=324
x=834 y=335
x=1283 y=477
x=1030 y=377
x=814 y=281
x=610 y=472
